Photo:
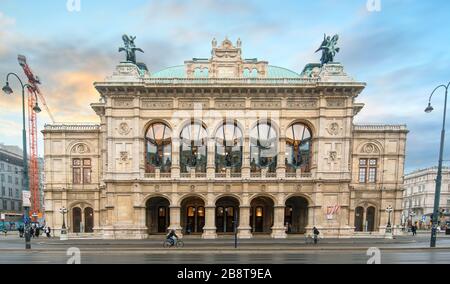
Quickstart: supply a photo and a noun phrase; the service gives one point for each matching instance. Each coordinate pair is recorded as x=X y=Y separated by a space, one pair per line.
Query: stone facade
x=126 y=196
x=418 y=195
x=11 y=181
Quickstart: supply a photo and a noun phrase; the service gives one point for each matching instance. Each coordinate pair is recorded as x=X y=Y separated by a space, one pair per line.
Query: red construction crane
x=33 y=93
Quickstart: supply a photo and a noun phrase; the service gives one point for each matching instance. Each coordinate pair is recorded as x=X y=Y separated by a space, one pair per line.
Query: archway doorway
x=359 y=219
x=370 y=219
x=296 y=215
x=193 y=215
x=88 y=220
x=157 y=215
x=261 y=215
x=76 y=220
x=227 y=214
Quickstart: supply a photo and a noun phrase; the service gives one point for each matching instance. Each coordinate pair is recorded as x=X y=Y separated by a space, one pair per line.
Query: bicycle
x=178 y=244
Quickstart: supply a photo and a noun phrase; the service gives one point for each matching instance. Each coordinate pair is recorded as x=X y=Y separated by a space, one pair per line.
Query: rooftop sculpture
x=130 y=48
x=329 y=49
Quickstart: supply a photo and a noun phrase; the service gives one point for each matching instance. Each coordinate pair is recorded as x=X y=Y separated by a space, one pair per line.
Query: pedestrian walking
x=414 y=230
x=48 y=232
x=32 y=232
x=316 y=235
x=21 y=231
x=37 y=232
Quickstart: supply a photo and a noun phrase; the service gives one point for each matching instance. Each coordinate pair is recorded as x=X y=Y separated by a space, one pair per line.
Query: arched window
x=229 y=141
x=298 y=148
x=159 y=148
x=264 y=147
x=193 y=148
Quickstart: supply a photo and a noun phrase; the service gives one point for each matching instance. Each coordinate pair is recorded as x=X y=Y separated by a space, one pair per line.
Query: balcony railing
x=260 y=175
x=230 y=81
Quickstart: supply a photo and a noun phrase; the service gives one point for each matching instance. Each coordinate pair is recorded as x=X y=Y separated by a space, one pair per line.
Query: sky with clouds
x=401 y=51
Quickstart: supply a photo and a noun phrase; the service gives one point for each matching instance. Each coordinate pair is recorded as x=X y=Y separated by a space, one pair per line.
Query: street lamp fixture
x=429 y=109
x=8 y=91
x=63 y=235
x=437 y=195
x=389 y=225
x=36 y=108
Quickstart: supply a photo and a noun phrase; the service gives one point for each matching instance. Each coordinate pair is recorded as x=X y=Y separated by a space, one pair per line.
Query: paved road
x=197 y=251
x=317 y=257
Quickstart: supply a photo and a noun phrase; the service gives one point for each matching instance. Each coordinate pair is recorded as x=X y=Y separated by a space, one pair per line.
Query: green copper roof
x=273 y=72
x=171 y=72
x=281 y=73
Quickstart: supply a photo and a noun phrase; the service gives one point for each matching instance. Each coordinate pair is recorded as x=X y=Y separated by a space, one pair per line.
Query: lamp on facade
x=437 y=194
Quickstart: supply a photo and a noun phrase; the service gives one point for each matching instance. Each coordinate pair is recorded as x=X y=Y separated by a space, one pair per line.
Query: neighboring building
x=418 y=194
x=11 y=181
x=41 y=185
x=196 y=147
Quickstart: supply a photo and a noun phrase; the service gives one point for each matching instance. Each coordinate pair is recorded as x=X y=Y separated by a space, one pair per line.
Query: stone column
x=244 y=230
x=211 y=165
x=246 y=159
x=279 y=228
x=281 y=159
x=175 y=158
x=175 y=218
x=209 y=231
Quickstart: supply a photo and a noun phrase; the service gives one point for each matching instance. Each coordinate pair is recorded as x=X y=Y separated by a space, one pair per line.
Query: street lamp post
x=63 y=235
x=437 y=194
x=7 y=90
x=389 y=225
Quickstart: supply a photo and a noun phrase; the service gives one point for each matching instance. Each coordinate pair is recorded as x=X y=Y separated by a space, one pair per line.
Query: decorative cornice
x=72 y=127
x=381 y=128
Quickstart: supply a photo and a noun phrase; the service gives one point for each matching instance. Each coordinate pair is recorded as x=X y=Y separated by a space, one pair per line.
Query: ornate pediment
x=226 y=62
x=227 y=51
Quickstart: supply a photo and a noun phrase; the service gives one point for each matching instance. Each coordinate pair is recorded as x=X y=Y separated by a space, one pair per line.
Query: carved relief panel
x=123 y=157
x=332 y=156
x=123 y=127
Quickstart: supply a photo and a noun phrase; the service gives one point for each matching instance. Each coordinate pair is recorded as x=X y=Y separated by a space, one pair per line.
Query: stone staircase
x=84 y=236
x=369 y=235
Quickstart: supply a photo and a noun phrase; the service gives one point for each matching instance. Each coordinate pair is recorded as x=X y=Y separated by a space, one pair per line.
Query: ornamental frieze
x=302 y=104
x=123 y=103
x=266 y=104
x=336 y=103
x=193 y=104
x=230 y=104
x=157 y=104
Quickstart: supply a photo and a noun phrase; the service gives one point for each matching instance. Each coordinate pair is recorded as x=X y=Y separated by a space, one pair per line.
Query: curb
x=225 y=251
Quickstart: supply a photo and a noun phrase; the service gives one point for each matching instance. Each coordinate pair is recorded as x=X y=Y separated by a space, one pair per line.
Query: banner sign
x=26 y=198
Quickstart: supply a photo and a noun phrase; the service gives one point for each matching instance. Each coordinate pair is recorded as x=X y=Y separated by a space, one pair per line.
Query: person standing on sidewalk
x=316 y=235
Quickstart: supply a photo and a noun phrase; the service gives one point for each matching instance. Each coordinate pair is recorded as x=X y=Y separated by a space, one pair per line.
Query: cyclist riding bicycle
x=172 y=237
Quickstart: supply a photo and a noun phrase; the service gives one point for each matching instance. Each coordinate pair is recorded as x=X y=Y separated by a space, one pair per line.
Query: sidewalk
x=224 y=245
